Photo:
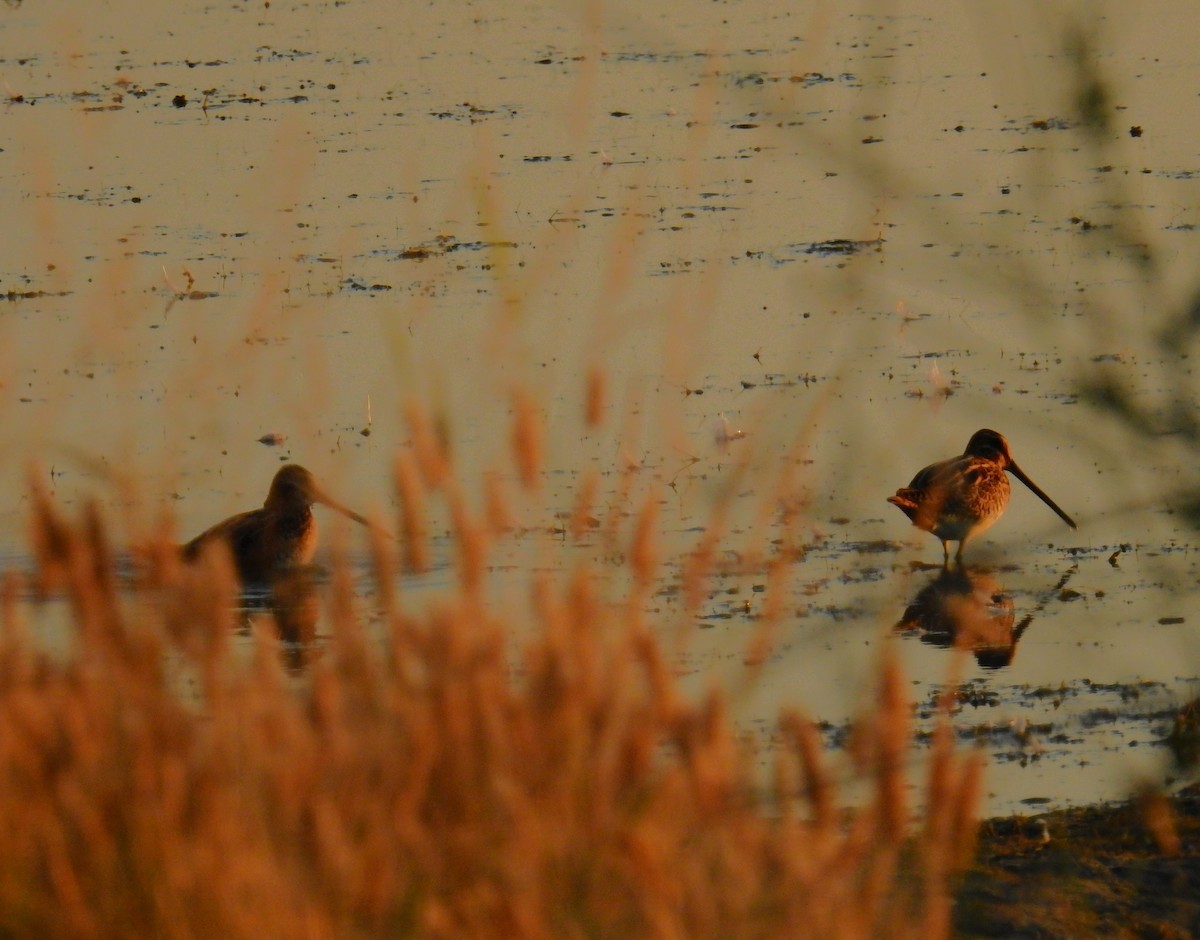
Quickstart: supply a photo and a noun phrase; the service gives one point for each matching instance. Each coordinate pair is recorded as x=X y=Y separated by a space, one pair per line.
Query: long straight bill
x=1037 y=490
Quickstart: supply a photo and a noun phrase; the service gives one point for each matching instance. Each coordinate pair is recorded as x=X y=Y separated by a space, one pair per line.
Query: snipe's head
x=294 y=487
x=989 y=445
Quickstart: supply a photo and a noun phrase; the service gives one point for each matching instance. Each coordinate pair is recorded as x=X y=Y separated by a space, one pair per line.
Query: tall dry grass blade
x=595 y=398
x=939 y=788
x=643 y=547
x=413 y=532
x=429 y=445
x=358 y=667
x=527 y=438
x=101 y=566
x=156 y=558
x=470 y=541
x=698 y=566
x=804 y=742
x=497 y=509
x=383 y=568
x=892 y=740
x=936 y=854
x=51 y=539
x=662 y=691
x=582 y=522
x=196 y=612
x=963 y=833
x=770 y=613
x=619 y=501
x=1160 y=821
x=12 y=625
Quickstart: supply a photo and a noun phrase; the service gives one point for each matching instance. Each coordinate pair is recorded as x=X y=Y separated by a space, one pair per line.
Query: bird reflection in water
x=966 y=608
x=292 y=603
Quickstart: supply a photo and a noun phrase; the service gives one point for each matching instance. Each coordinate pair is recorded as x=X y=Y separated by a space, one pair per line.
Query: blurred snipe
x=282 y=534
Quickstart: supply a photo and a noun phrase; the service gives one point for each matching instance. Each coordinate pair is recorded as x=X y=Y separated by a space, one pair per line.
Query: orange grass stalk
x=51 y=539
x=595 y=398
x=383 y=568
x=582 y=521
x=527 y=434
x=1160 y=820
x=496 y=508
x=937 y=855
x=12 y=626
x=964 y=829
x=698 y=566
x=411 y=493
x=892 y=737
x=770 y=614
x=429 y=445
x=643 y=547
x=618 y=503
x=803 y=741
x=471 y=541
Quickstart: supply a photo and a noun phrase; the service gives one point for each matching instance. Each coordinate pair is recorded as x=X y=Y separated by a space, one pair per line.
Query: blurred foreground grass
x=441 y=783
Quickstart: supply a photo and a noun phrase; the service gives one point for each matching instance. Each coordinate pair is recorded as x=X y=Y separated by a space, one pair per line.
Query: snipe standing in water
x=282 y=534
x=958 y=498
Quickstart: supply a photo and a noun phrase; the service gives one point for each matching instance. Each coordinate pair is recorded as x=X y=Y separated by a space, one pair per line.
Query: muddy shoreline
x=1120 y=870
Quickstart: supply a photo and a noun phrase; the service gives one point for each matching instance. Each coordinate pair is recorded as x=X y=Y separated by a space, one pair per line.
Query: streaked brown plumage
x=958 y=498
x=282 y=534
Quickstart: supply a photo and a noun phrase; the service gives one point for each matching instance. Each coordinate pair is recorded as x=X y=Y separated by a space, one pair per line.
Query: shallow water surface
x=809 y=250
